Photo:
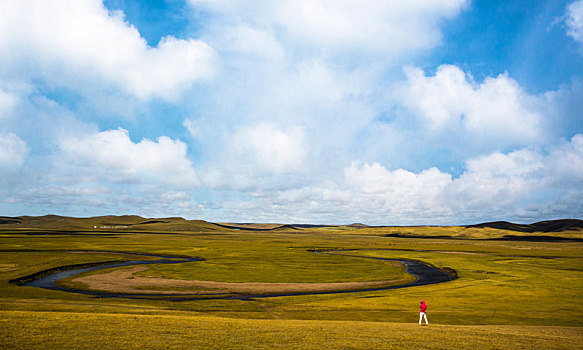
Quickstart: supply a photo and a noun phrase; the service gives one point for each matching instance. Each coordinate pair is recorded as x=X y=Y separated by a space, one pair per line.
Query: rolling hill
x=106 y=223
x=541 y=226
x=134 y=223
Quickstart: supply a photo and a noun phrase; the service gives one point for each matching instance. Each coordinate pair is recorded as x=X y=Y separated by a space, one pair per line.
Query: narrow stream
x=423 y=273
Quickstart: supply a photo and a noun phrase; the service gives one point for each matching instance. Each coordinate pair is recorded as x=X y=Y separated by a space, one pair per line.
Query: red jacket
x=423 y=306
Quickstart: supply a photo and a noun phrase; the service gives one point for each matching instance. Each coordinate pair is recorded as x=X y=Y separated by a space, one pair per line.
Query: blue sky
x=309 y=111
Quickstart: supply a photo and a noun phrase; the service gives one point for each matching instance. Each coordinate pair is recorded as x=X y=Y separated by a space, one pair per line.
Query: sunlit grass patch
x=498 y=281
x=50 y=330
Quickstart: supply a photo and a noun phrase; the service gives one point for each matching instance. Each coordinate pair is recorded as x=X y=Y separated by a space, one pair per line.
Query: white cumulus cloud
x=497 y=111
x=261 y=155
x=373 y=26
x=566 y=162
x=396 y=193
x=497 y=181
x=73 y=43
x=113 y=154
x=13 y=151
x=521 y=185
x=270 y=147
x=7 y=103
x=575 y=21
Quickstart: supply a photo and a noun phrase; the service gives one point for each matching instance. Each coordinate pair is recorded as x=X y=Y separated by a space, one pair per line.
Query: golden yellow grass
x=508 y=283
x=126 y=281
x=68 y=330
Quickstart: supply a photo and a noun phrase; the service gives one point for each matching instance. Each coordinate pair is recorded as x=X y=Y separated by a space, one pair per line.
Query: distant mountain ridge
x=134 y=222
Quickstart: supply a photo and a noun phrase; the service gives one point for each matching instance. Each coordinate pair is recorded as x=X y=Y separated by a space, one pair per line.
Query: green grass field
x=509 y=294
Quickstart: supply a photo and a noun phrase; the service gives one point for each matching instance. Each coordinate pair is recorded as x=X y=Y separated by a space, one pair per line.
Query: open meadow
x=508 y=294
x=297 y=174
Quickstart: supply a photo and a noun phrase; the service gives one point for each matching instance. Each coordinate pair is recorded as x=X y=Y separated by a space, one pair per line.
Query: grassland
x=124 y=331
x=508 y=295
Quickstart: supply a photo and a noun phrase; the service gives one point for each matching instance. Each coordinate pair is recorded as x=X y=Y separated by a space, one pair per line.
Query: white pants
x=421 y=315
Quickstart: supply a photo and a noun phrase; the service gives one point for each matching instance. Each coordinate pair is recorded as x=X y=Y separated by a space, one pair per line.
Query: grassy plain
x=65 y=330
x=509 y=294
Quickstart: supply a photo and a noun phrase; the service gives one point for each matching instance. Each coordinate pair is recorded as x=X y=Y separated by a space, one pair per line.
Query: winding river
x=424 y=274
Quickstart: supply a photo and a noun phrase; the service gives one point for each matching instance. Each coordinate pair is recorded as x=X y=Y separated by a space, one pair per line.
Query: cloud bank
x=290 y=111
x=81 y=45
x=119 y=159
x=575 y=21
x=387 y=28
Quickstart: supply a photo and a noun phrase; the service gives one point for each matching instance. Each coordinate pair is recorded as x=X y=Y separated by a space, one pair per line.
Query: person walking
x=423 y=313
